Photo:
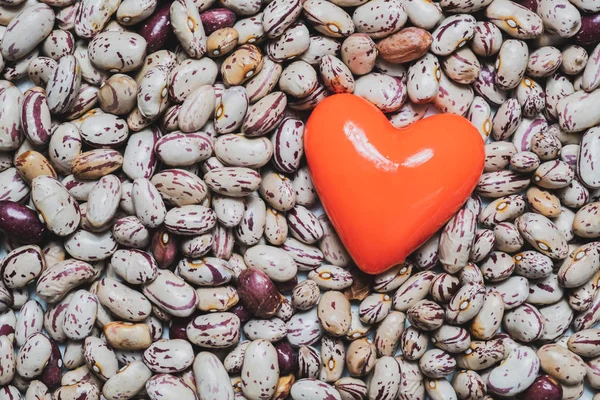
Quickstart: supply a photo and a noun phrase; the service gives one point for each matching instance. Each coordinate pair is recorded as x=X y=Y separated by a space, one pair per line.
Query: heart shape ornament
x=387 y=190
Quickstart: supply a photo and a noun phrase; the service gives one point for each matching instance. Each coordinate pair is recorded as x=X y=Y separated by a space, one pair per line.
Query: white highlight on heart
x=359 y=140
x=418 y=159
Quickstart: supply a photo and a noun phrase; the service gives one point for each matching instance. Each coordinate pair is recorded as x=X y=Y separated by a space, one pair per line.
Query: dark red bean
x=157 y=29
x=178 y=327
x=217 y=18
x=242 y=313
x=544 y=387
x=21 y=223
x=258 y=293
x=589 y=34
x=287 y=286
x=51 y=376
x=164 y=247
x=529 y=4
x=287 y=358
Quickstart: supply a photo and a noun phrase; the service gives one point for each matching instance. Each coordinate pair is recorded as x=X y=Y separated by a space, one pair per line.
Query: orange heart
x=387 y=190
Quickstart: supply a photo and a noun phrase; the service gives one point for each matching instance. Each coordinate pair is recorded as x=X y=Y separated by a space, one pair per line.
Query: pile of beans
x=158 y=213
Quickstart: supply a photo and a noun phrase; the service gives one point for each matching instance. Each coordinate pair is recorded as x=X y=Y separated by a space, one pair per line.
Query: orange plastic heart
x=387 y=190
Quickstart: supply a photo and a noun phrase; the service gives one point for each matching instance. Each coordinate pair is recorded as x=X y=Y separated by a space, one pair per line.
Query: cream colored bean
x=183 y=78
x=516 y=374
x=511 y=63
x=123 y=301
x=462 y=66
x=562 y=364
x=524 y=323
x=125 y=53
x=414 y=289
x=439 y=389
x=574 y=58
x=487 y=39
x=294 y=41
x=188 y=28
x=456 y=240
x=541 y=233
x=424 y=79
x=452 y=33
x=573 y=114
x=452 y=97
x=197 y=108
x=514 y=19
x=26 y=31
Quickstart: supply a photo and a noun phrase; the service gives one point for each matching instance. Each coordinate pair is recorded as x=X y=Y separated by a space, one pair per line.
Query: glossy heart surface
x=387 y=190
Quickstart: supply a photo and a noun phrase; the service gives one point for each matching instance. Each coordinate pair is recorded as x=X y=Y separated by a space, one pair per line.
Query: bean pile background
x=163 y=239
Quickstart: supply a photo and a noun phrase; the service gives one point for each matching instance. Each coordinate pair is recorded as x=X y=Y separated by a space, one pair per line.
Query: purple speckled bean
x=40 y=70
x=436 y=363
x=212 y=380
x=190 y=220
x=231 y=109
x=215 y=330
x=574 y=115
x=80 y=315
x=452 y=33
x=35 y=117
x=542 y=234
x=11 y=137
x=149 y=206
x=426 y=315
x=177 y=388
x=384 y=91
x=22 y=265
x=178 y=149
x=456 y=240
x=532 y=264
x=152 y=96
x=233 y=181
x=562 y=364
x=327 y=276
x=413 y=343
x=63 y=86
x=117 y=51
x=29 y=321
x=374 y=308
x=487 y=39
x=26 y=31
x=279 y=15
x=443 y=287
x=171 y=294
x=465 y=304
x=386 y=379
x=310 y=388
x=188 y=27
x=169 y=356
x=179 y=187
x=134 y=266
x=514 y=19
x=453 y=97
x=92 y=15
x=524 y=323
x=452 y=339
x=265 y=115
x=206 y=271
x=413 y=290
x=139 y=158
x=125 y=303
x=304 y=328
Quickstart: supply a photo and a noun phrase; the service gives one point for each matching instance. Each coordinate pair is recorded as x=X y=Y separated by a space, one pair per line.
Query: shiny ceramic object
x=388 y=190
